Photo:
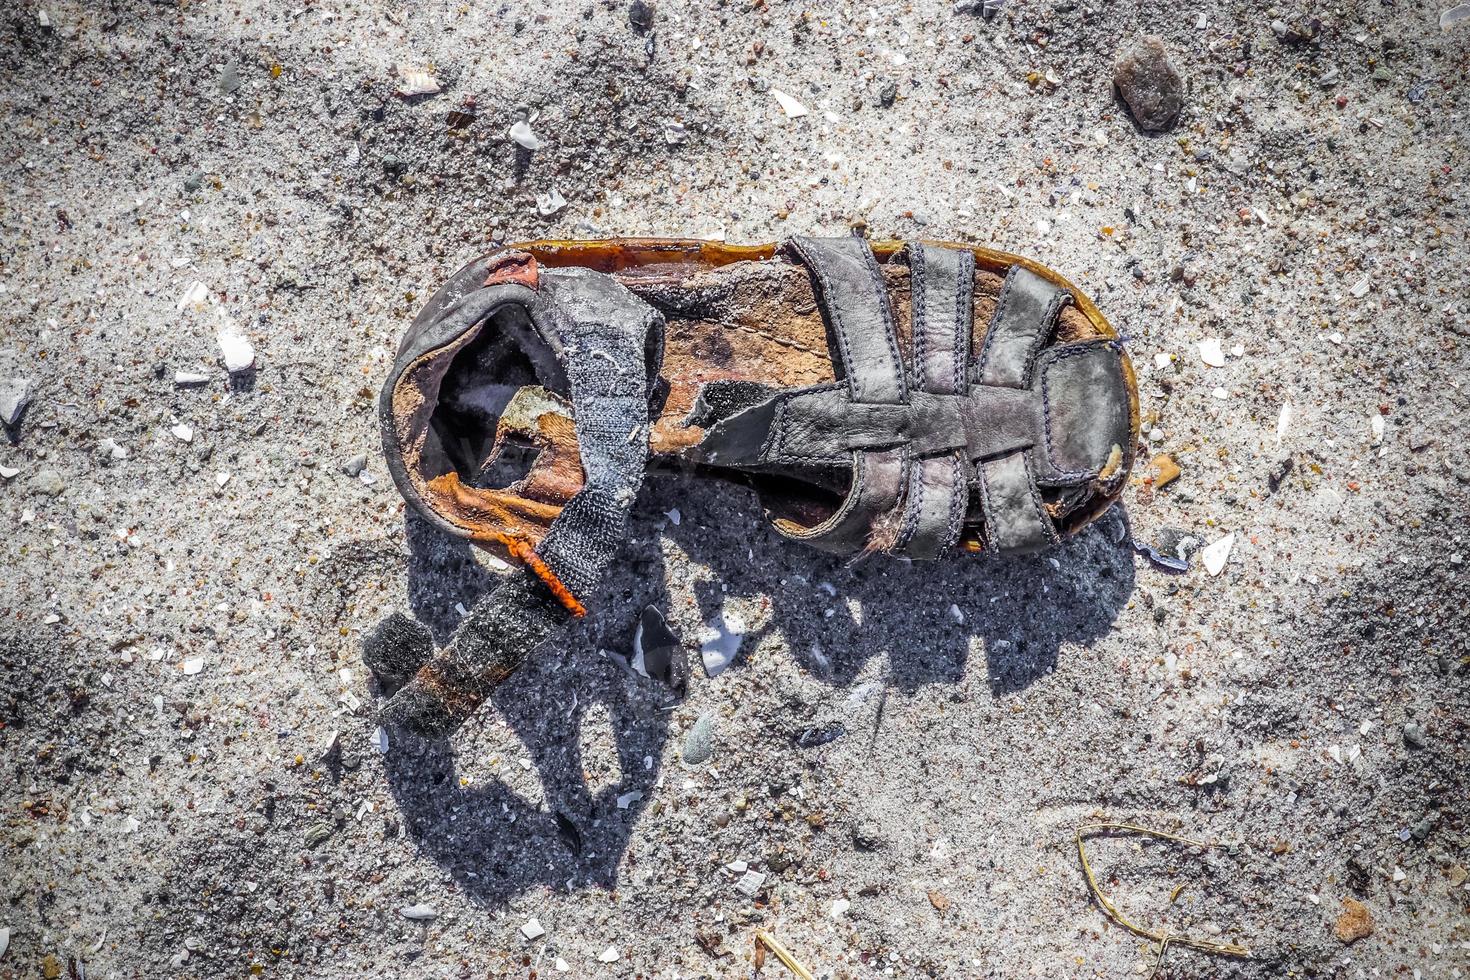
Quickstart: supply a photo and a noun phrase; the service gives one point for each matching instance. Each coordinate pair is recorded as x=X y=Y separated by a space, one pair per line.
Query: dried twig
x=1164 y=939
x=790 y=962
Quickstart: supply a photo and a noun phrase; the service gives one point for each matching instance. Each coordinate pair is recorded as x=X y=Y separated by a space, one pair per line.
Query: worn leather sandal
x=846 y=382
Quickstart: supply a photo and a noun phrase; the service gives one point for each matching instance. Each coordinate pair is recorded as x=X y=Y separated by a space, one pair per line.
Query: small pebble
x=640 y=15
x=229 y=78
x=1149 y=85
x=1414 y=736
x=699 y=743
x=15 y=395
x=49 y=482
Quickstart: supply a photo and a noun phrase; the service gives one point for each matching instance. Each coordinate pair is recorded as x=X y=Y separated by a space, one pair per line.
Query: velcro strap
x=606 y=333
x=612 y=343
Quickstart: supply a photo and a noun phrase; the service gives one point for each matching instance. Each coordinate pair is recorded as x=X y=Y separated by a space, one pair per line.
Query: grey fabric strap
x=610 y=343
x=606 y=333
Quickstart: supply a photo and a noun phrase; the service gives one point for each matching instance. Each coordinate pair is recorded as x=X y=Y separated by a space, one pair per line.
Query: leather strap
x=1016 y=421
x=1015 y=520
x=941 y=290
x=1024 y=315
x=877 y=486
x=854 y=302
x=942 y=297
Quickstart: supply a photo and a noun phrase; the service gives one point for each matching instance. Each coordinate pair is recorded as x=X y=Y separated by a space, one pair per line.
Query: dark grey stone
x=1149 y=85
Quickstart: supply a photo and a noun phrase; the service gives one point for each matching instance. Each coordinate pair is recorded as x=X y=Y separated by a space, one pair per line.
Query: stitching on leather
x=964 y=319
x=859 y=481
x=765 y=335
x=815 y=262
x=987 y=509
x=890 y=329
x=1049 y=317
x=1041 y=515
x=958 y=491
x=995 y=320
x=1052 y=358
x=917 y=281
x=913 y=502
x=772 y=449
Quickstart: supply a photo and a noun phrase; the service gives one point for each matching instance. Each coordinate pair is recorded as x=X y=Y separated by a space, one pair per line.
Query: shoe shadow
x=499 y=835
x=498 y=840
x=926 y=618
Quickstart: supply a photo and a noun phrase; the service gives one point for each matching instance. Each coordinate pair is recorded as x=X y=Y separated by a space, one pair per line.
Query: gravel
x=152 y=817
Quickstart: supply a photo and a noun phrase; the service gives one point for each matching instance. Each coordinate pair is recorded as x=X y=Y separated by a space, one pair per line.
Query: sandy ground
x=182 y=620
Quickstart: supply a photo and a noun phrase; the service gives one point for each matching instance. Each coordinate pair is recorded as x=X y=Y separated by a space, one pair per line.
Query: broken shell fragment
x=521 y=133
x=792 y=107
x=1211 y=352
x=1216 y=554
x=414 y=82
x=726 y=631
x=237 y=351
x=657 y=652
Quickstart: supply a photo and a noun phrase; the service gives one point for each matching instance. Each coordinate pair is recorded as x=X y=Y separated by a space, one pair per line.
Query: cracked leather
x=1019 y=417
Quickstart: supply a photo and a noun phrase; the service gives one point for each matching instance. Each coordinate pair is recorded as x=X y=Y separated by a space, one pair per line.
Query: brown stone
x=1355 y=922
x=1149 y=85
x=1166 y=471
x=939 y=900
